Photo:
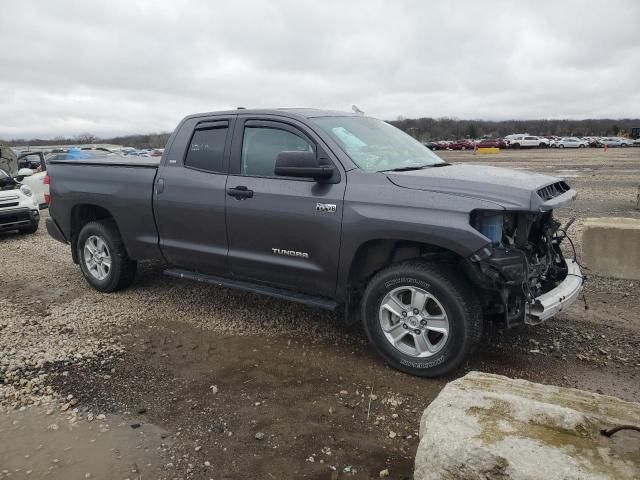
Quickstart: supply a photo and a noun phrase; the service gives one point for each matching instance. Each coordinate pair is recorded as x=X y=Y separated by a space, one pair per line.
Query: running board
x=310 y=300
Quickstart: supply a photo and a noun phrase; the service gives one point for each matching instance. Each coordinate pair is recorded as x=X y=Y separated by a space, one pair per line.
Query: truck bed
x=120 y=186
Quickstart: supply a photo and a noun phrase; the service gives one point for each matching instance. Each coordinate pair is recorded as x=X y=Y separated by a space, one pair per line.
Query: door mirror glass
x=302 y=164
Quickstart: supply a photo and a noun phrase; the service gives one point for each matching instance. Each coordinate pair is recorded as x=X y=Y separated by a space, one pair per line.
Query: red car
x=461 y=145
x=492 y=142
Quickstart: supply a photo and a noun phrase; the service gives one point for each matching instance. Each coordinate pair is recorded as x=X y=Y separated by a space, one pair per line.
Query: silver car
x=615 y=142
x=569 y=142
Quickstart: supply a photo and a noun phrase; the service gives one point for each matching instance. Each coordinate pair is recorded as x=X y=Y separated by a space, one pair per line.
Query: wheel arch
x=373 y=255
x=81 y=215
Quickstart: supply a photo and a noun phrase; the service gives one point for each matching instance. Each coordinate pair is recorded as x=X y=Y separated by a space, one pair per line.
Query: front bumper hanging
x=549 y=304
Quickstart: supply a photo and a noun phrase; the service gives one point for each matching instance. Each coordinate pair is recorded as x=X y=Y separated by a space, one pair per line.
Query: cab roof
x=286 y=112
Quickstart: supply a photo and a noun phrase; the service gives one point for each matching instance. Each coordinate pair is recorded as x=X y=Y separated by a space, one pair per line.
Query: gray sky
x=129 y=66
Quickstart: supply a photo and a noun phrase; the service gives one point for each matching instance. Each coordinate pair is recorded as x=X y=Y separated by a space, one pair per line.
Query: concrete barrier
x=611 y=247
x=487 y=150
x=486 y=426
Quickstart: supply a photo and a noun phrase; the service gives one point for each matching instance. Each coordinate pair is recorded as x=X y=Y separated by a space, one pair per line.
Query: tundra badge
x=289 y=253
x=325 y=207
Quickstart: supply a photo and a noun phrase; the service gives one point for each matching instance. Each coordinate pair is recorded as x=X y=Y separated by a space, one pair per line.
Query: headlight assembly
x=26 y=190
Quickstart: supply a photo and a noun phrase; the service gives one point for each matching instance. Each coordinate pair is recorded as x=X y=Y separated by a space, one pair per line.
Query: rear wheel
x=103 y=259
x=423 y=319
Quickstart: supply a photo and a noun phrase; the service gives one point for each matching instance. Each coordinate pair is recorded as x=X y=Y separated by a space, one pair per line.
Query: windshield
x=375 y=145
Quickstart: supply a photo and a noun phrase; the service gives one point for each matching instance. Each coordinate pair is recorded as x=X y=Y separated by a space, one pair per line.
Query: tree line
x=151 y=140
x=423 y=129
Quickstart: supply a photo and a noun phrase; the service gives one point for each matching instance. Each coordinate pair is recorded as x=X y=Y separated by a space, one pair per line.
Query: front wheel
x=103 y=259
x=423 y=319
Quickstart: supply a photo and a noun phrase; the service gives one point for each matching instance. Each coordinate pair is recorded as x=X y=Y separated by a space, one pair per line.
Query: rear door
x=282 y=231
x=190 y=196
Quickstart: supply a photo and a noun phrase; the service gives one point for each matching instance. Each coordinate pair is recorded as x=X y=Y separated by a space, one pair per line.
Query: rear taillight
x=47 y=197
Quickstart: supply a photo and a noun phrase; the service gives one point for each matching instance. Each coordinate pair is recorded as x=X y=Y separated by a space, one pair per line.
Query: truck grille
x=6 y=205
x=553 y=190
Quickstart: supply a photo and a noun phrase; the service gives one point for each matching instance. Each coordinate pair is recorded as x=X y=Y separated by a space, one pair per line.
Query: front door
x=282 y=231
x=190 y=198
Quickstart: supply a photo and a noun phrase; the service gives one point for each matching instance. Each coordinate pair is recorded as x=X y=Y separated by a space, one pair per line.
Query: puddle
x=36 y=445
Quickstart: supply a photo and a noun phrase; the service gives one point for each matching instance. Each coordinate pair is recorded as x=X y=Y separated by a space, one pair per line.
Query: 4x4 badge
x=325 y=207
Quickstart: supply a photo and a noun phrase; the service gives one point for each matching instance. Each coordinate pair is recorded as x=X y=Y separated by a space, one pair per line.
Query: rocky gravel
x=232 y=385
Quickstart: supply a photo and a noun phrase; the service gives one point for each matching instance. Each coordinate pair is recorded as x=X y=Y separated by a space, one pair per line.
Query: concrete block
x=481 y=150
x=611 y=247
x=491 y=427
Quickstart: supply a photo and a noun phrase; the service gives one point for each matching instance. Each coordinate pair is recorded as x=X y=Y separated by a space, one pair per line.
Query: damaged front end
x=522 y=271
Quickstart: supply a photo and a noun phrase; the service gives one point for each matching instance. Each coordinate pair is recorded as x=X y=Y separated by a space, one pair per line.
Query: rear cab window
x=206 y=148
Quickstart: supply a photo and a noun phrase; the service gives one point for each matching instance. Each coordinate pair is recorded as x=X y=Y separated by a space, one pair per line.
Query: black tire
x=122 y=271
x=33 y=228
x=458 y=300
x=515 y=145
x=561 y=146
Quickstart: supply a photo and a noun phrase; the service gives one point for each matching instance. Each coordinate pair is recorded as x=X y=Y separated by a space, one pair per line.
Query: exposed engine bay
x=523 y=262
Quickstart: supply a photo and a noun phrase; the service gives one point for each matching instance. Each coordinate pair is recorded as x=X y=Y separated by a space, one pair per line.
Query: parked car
x=569 y=142
x=157 y=152
x=38 y=181
x=491 y=143
x=18 y=206
x=461 y=145
x=527 y=141
x=337 y=211
x=614 y=142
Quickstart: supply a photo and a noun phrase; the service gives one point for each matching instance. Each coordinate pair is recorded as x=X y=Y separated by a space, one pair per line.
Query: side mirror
x=302 y=164
x=23 y=172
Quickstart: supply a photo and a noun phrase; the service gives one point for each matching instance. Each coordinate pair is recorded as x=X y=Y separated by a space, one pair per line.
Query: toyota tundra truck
x=334 y=210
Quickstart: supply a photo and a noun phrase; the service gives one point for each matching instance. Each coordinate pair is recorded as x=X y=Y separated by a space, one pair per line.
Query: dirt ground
x=213 y=383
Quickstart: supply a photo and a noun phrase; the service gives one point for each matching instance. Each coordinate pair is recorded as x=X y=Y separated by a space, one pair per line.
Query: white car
x=38 y=181
x=18 y=206
x=527 y=141
x=570 y=142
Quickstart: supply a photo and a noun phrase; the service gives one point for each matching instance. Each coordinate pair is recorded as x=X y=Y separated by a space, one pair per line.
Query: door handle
x=160 y=186
x=240 y=192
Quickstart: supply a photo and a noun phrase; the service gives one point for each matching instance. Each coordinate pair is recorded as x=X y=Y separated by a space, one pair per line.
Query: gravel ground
x=205 y=382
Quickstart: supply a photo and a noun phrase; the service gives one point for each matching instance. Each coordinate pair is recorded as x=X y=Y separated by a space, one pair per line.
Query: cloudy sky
x=138 y=66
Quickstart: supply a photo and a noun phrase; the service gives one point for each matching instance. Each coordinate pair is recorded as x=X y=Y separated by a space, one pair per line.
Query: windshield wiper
x=414 y=167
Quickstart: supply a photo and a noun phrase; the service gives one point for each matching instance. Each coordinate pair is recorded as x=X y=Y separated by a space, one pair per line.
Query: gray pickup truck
x=333 y=210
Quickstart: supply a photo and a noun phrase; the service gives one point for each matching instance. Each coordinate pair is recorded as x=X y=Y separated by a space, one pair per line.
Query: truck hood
x=511 y=189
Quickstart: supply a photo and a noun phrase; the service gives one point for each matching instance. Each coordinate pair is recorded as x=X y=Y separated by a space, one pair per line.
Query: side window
x=261 y=146
x=206 y=150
